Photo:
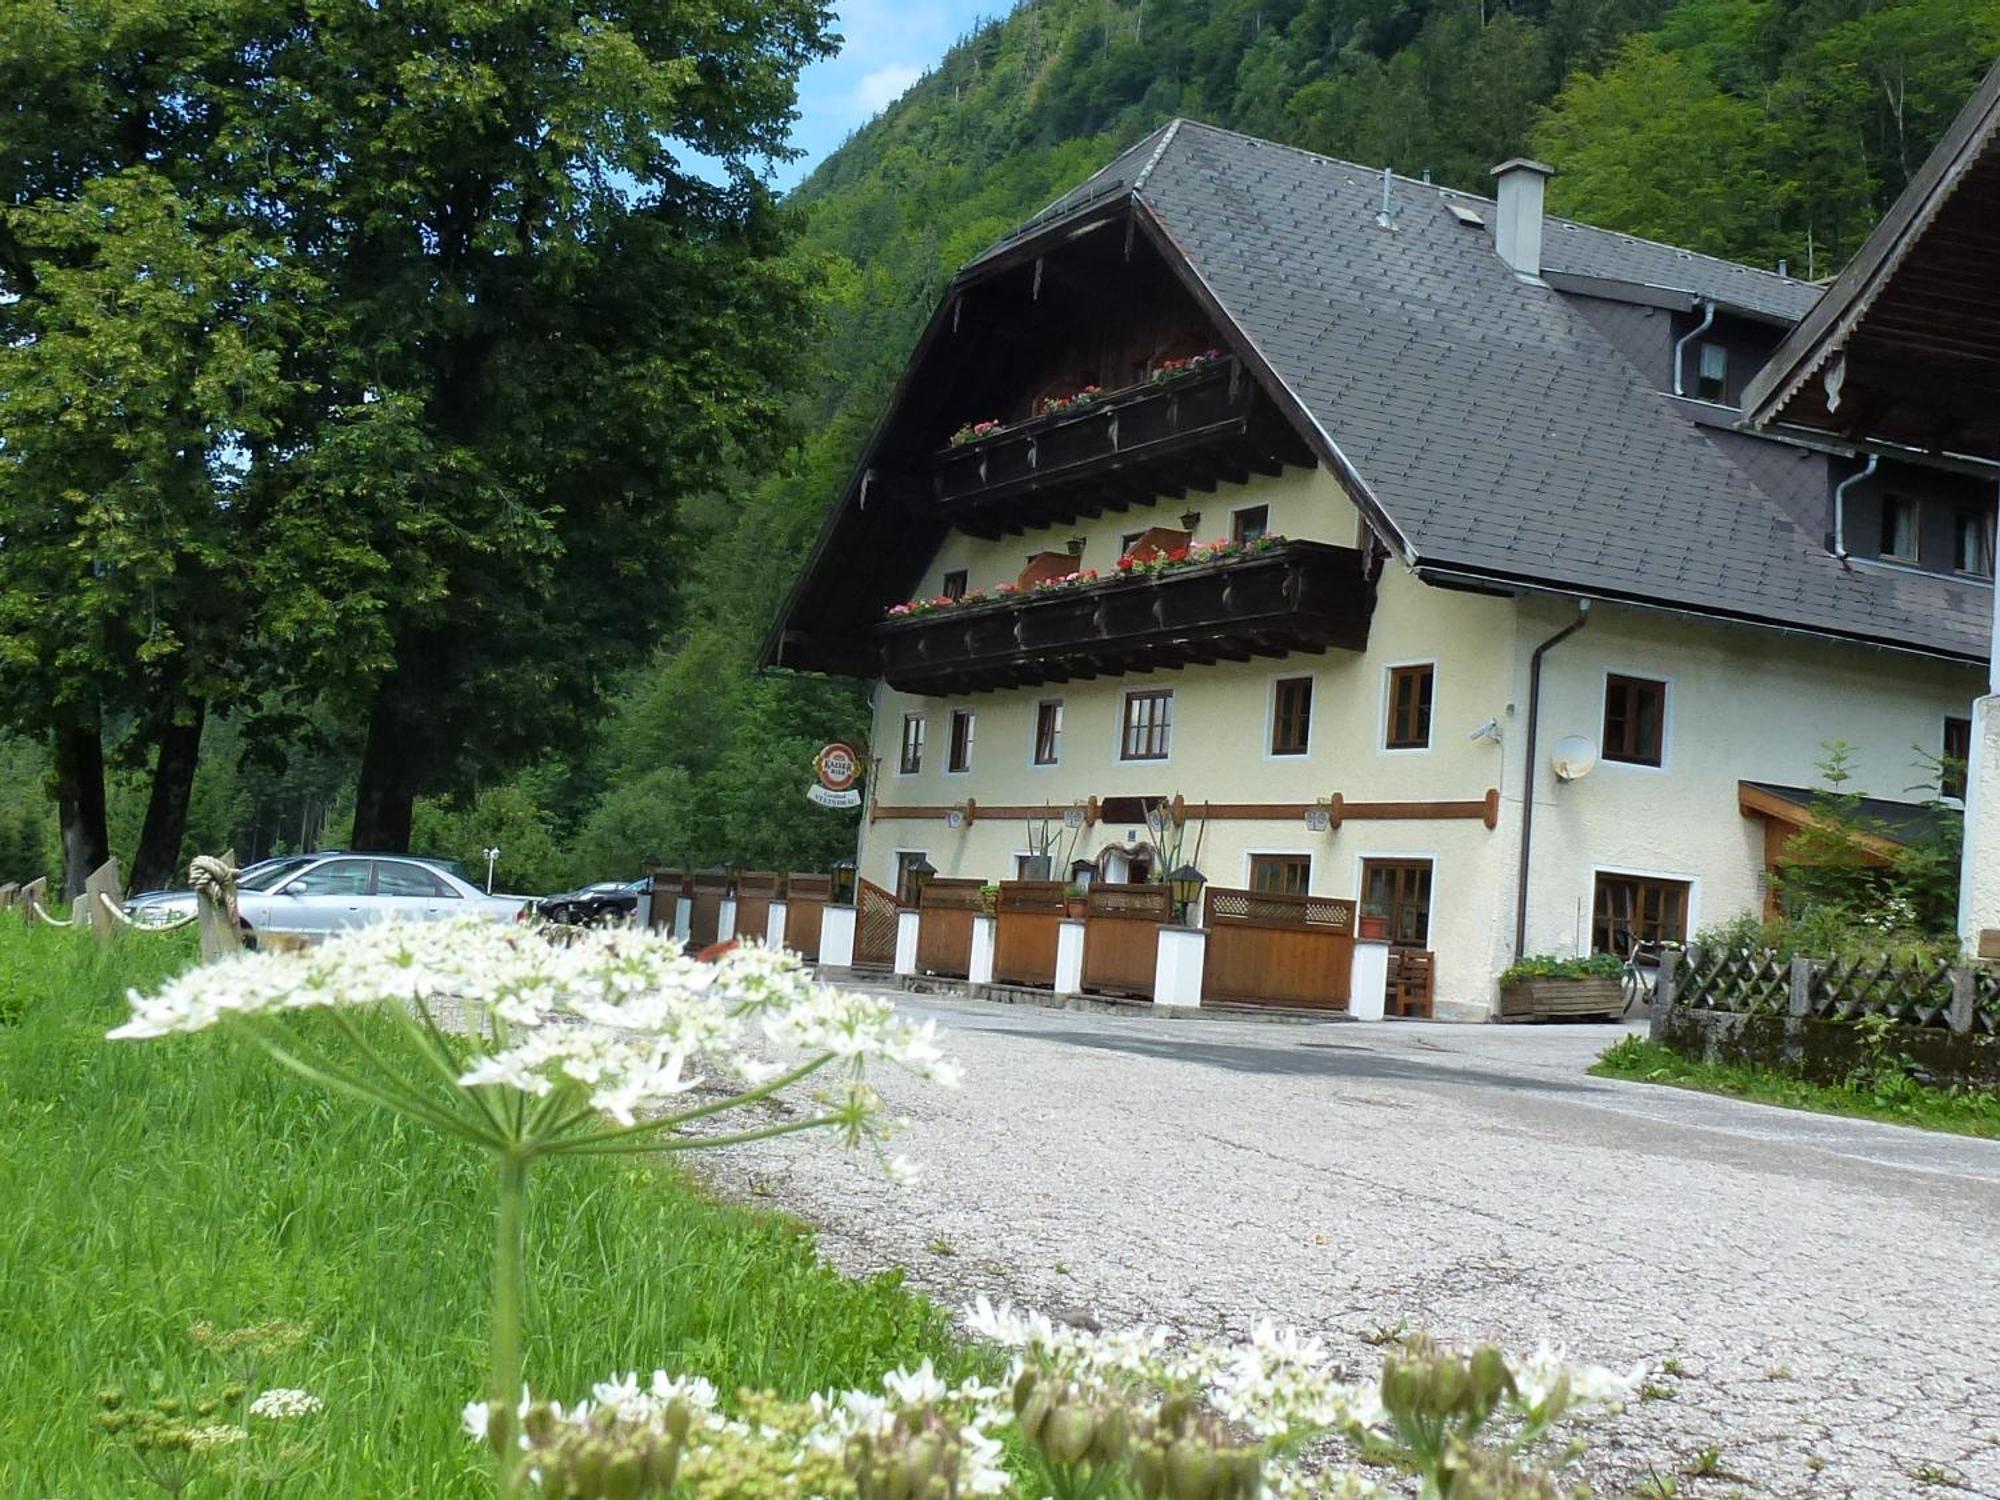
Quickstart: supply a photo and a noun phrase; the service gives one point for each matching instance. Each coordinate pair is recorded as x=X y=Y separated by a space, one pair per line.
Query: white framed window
x=1409 y=693
x=1635 y=719
x=959 y=758
x=911 y=760
x=1291 y=716
x=1048 y=732
x=1147 y=724
x=1249 y=523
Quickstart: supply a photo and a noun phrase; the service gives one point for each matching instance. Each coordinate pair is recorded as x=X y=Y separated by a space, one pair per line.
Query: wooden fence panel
x=1121 y=936
x=668 y=887
x=1270 y=949
x=755 y=891
x=708 y=892
x=1030 y=914
x=805 y=904
x=874 y=927
x=944 y=929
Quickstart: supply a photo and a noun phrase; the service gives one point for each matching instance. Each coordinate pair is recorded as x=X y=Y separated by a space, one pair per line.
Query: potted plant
x=1543 y=985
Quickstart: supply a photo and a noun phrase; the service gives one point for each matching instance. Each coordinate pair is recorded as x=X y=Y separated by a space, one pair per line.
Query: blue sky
x=888 y=45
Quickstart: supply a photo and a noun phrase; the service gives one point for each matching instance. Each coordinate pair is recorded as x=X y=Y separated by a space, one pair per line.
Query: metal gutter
x=1528 y=774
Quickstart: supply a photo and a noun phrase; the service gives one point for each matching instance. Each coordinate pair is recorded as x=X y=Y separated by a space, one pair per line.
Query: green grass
x=148 y=1185
x=1891 y=1097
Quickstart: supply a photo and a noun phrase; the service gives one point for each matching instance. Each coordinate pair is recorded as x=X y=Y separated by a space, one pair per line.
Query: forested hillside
x=1757 y=129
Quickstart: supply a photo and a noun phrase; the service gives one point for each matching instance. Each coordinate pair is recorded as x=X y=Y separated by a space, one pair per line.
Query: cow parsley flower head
x=282 y=1404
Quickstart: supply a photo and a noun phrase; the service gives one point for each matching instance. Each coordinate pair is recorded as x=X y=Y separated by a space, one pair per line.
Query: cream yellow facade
x=1743 y=703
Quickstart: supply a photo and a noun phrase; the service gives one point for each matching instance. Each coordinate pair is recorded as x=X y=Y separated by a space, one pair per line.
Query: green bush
x=1548 y=966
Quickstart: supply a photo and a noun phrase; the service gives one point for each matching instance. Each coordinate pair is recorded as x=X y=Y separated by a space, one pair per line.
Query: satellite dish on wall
x=1574 y=757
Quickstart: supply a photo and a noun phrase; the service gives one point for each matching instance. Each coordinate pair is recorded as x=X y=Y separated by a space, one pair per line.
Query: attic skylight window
x=1469 y=217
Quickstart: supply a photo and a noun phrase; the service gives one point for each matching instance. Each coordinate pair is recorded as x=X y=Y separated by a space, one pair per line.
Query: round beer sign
x=838 y=766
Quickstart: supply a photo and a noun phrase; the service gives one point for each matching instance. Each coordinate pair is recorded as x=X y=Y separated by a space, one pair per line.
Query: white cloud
x=881 y=87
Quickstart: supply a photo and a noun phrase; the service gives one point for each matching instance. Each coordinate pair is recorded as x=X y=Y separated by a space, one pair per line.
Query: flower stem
x=510 y=1276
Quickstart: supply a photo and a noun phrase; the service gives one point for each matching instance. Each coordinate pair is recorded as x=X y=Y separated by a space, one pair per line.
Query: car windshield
x=267 y=875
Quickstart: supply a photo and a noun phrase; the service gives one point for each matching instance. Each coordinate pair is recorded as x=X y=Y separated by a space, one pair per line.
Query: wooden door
x=805 y=905
x=874 y=927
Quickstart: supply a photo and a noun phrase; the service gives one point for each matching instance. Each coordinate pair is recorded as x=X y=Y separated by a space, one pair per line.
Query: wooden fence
x=805 y=904
x=944 y=927
x=1927 y=993
x=668 y=887
x=874 y=927
x=1029 y=915
x=755 y=891
x=1121 y=936
x=1265 y=948
x=708 y=890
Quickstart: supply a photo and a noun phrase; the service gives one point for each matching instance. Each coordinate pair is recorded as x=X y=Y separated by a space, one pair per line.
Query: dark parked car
x=606 y=901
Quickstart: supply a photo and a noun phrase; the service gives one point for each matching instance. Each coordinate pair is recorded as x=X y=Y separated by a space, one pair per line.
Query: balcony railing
x=1297 y=596
x=1130 y=447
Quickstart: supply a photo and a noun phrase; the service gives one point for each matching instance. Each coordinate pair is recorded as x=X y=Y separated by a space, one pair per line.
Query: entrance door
x=1396 y=901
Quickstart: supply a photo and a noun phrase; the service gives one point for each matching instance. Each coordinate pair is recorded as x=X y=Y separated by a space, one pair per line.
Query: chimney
x=1518 y=233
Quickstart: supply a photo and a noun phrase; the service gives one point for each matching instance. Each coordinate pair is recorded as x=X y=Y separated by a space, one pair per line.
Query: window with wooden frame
x=1048 y=731
x=1409 y=726
x=1396 y=901
x=911 y=761
x=1635 y=720
x=1249 y=523
x=1975 y=543
x=1899 y=529
x=1631 y=909
x=959 y=756
x=1147 y=730
x=1957 y=751
x=1291 y=715
x=954 y=584
x=1282 y=874
x=1126 y=540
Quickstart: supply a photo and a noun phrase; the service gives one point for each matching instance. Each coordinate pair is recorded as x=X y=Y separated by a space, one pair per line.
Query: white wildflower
x=213 y=1435
x=282 y=1404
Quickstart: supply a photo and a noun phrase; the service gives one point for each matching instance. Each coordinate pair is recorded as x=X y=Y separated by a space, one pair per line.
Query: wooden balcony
x=1298 y=596
x=1132 y=447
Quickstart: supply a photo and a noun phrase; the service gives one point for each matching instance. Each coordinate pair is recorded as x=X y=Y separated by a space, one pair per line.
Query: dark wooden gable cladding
x=1093 y=303
x=1904 y=348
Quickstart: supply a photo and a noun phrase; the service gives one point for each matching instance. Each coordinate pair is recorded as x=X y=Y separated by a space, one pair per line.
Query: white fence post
x=774 y=924
x=1177 y=969
x=1069 y=956
x=907 y=923
x=836 y=937
x=985 y=937
x=1368 y=986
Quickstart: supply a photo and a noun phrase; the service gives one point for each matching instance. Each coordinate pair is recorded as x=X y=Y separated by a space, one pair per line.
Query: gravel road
x=1825 y=1289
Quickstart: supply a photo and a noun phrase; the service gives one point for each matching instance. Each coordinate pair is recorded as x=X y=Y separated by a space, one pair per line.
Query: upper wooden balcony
x=1295 y=596
x=1190 y=431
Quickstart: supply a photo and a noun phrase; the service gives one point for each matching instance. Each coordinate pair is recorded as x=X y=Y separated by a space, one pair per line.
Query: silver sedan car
x=314 y=895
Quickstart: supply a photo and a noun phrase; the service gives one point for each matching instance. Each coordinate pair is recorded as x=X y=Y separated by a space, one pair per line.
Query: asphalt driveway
x=1828 y=1290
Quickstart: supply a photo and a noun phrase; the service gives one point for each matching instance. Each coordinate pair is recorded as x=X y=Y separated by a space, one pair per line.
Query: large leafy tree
x=533 y=296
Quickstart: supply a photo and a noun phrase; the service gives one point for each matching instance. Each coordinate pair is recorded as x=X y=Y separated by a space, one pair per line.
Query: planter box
x=1562 y=997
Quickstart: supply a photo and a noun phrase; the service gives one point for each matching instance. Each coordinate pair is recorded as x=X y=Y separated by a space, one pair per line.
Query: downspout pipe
x=1528 y=775
x=1680 y=345
x=1840 y=504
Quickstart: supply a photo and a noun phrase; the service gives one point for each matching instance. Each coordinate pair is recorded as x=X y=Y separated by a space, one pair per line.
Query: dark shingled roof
x=1501 y=436
x=1900 y=822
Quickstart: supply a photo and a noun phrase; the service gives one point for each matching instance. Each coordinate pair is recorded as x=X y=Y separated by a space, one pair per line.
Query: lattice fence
x=1739 y=981
x=1273 y=906
x=1930 y=993
x=1917 y=994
